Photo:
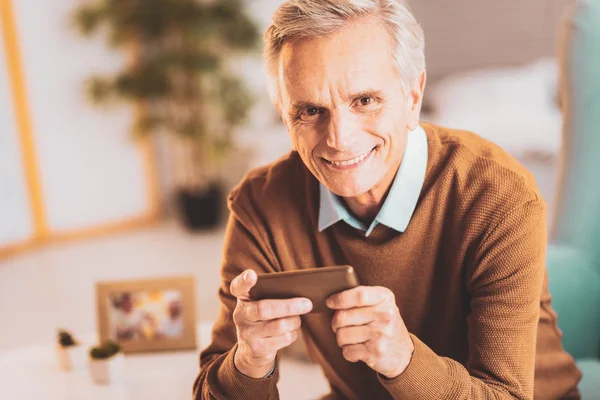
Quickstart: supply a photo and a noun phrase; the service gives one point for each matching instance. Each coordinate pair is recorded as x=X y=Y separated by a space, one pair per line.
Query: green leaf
x=182 y=47
x=99 y=89
x=147 y=81
x=147 y=125
x=221 y=148
x=106 y=350
x=87 y=19
x=188 y=60
x=65 y=338
x=236 y=29
x=235 y=99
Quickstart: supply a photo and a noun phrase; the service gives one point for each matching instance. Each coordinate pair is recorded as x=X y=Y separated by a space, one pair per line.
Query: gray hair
x=297 y=19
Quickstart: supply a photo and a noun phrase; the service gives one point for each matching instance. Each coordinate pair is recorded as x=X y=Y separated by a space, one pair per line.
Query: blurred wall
x=17 y=224
x=467 y=34
x=73 y=161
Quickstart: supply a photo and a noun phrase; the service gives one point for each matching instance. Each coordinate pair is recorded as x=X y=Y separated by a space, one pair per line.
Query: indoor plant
x=71 y=353
x=178 y=74
x=106 y=362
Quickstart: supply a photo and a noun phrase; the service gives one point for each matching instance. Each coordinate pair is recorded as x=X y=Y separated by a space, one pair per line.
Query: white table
x=32 y=372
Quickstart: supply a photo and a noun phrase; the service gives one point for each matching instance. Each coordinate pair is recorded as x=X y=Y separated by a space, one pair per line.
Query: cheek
x=302 y=141
x=381 y=126
x=296 y=138
x=300 y=145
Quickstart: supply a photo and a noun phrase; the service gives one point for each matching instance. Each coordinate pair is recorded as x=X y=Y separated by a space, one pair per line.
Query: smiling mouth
x=351 y=162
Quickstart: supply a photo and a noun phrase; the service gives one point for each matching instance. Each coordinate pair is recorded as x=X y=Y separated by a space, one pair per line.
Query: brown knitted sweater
x=468 y=276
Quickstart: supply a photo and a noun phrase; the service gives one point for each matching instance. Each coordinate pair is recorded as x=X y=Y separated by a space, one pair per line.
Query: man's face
x=344 y=106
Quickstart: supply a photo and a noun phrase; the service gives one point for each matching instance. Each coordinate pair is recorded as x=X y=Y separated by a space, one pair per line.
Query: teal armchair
x=574 y=252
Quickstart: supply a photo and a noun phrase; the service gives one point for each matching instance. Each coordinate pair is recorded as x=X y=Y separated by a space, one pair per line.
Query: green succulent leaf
x=65 y=339
x=106 y=350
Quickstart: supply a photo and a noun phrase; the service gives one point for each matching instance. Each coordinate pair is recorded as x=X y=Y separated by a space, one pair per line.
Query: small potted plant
x=106 y=362
x=71 y=353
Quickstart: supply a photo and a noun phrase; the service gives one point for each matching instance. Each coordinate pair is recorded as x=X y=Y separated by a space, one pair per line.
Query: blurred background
x=124 y=124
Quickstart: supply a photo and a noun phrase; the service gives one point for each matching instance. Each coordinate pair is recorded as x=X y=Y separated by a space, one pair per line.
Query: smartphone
x=316 y=284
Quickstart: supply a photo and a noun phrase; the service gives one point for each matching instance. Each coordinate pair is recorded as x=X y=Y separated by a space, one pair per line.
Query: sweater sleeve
x=504 y=283
x=218 y=377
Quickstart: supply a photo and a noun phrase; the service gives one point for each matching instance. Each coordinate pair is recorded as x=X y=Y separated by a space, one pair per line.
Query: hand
x=368 y=328
x=263 y=327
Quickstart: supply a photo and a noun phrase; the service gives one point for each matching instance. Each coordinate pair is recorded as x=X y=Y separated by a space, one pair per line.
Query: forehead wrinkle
x=331 y=91
x=326 y=84
x=323 y=86
x=318 y=93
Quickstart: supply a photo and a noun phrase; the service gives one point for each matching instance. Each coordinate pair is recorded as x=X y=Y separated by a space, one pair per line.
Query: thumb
x=241 y=284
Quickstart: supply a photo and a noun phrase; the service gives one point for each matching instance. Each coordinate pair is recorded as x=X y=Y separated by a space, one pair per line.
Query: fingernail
x=306 y=304
x=246 y=276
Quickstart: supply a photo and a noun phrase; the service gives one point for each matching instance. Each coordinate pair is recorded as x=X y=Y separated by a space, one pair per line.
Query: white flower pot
x=72 y=357
x=106 y=371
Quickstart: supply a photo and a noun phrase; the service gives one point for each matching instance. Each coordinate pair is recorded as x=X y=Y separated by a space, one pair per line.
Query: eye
x=310 y=114
x=365 y=101
x=311 y=111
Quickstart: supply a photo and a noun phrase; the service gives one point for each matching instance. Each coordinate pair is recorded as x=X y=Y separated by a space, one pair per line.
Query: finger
x=277 y=327
x=241 y=284
x=355 y=352
x=268 y=309
x=353 y=335
x=262 y=347
x=352 y=317
x=360 y=296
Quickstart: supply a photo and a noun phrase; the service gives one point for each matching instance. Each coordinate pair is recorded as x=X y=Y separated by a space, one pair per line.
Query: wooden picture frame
x=148 y=314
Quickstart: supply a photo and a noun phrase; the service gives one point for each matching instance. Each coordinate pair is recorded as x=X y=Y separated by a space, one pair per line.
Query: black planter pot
x=203 y=210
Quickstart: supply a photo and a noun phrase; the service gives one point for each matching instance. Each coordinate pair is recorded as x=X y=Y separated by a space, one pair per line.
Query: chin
x=351 y=190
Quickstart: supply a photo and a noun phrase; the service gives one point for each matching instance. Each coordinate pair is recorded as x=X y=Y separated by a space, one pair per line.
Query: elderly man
x=446 y=232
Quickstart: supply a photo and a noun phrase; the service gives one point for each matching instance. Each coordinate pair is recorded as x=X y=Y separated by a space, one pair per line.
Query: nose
x=341 y=130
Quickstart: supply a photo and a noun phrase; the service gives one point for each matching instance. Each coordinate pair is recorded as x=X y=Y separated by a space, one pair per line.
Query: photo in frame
x=148 y=314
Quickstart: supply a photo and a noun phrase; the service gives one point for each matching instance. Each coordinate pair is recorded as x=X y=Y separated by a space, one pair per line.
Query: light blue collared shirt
x=402 y=199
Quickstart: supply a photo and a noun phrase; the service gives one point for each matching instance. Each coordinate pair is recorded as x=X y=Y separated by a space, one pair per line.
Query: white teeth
x=351 y=162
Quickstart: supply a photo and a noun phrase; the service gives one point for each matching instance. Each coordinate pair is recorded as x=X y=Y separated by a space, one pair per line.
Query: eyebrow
x=368 y=93
x=304 y=104
x=364 y=93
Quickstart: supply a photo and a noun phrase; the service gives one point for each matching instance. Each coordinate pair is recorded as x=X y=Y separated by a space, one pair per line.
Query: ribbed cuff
x=266 y=376
x=272 y=369
x=235 y=385
x=425 y=377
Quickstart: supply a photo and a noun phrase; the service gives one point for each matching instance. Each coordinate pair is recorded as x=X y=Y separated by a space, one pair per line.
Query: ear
x=415 y=101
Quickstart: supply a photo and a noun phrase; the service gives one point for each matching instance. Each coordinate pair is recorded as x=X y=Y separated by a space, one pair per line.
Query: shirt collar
x=401 y=201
